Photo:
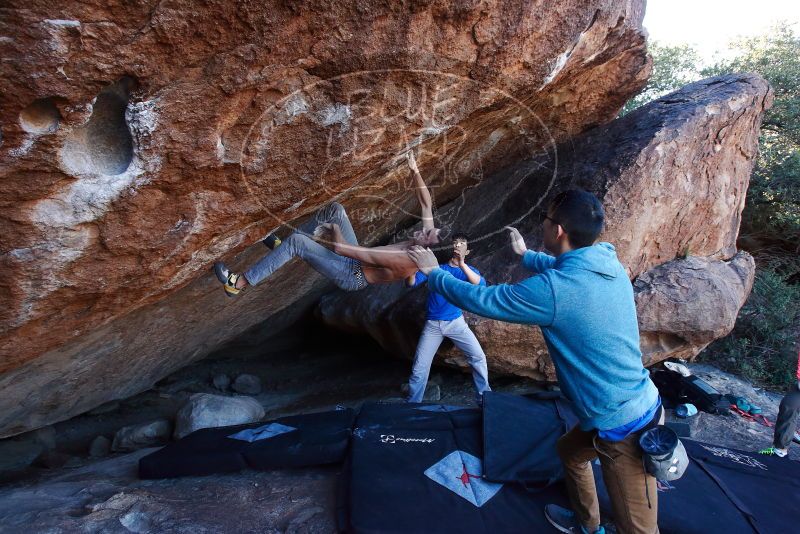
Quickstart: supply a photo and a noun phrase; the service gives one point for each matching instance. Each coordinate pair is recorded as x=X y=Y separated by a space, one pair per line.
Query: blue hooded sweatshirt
x=583 y=302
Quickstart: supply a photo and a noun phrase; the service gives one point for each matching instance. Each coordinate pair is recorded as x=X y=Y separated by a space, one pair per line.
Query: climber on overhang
x=349 y=265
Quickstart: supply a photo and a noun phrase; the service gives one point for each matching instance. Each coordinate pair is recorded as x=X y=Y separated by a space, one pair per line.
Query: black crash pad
x=418 y=468
x=520 y=435
x=314 y=439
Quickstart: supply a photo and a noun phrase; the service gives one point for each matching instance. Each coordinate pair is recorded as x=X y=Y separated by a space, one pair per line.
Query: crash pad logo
x=390 y=438
x=461 y=473
x=736 y=457
x=347 y=138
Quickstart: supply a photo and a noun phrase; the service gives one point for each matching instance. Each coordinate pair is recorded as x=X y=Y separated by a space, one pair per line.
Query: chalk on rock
x=204 y=410
x=247 y=384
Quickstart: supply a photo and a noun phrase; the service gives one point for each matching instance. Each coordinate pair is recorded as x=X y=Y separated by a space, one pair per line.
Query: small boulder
x=134 y=437
x=100 y=447
x=247 y=384
x=222 y=381
x=209 y=411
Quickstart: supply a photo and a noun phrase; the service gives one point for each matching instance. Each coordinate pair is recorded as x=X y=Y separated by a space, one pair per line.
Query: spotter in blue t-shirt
x=439 y=309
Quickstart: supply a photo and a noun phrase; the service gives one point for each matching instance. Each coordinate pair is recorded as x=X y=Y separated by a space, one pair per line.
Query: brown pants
x=627 y=482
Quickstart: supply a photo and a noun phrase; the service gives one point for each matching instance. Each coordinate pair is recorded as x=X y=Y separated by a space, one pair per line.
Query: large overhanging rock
x=672 y=177
x=141 y=141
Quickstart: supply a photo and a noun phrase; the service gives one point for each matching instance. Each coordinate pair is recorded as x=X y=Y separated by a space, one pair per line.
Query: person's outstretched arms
x=537 y=262
x=528 y=302
x=423 y=195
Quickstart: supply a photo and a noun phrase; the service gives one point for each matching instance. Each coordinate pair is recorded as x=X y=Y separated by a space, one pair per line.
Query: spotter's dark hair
x=580 y=214
x=461 y=235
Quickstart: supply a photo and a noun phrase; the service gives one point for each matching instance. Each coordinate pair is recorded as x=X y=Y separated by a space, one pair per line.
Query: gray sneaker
x=566 y=521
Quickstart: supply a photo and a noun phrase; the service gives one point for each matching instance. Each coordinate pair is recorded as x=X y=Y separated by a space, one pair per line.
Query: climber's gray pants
x=342 y=271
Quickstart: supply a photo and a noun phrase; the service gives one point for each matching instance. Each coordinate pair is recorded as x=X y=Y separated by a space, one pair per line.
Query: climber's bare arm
x=380 y=257
x=423 y=195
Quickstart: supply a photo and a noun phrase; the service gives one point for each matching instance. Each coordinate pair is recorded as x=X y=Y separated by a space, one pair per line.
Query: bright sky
x=709 y=25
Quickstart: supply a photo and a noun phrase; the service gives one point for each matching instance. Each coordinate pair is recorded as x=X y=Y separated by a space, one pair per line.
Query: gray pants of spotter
x=338 y=269
x=786 y=424
x=462 y=337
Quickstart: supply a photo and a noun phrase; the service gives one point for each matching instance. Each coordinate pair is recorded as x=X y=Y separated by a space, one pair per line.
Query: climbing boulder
x=672 y=177
x=134 y=437
x=209 y=411
x=143 y=141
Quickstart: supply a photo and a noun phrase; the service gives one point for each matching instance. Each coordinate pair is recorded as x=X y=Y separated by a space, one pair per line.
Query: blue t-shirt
x=440 y=309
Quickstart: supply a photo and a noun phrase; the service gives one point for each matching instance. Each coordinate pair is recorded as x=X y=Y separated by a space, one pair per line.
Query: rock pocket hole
x=104 y=145
x=41 y=117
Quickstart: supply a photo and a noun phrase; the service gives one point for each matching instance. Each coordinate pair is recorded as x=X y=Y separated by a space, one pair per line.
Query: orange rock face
x=142 y=141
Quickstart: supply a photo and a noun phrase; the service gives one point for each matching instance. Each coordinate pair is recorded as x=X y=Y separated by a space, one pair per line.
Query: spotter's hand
x=517 y=243
x=322 y=229
x=424 y=258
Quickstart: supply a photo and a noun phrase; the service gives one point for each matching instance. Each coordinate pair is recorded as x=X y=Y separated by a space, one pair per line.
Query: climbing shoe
x=227 y=278
x=566 y=521
x=271 y=241
x=773 y=451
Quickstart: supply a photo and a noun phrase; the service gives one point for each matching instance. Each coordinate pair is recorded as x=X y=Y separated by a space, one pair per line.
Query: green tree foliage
x=762 y=344
x=673 y=67
x=771 y=220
